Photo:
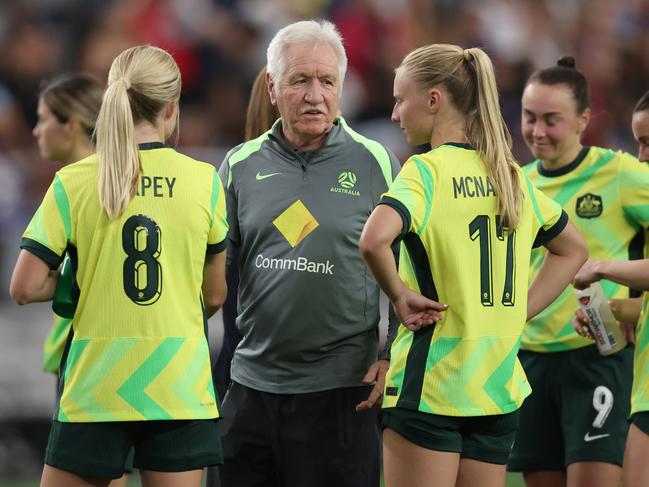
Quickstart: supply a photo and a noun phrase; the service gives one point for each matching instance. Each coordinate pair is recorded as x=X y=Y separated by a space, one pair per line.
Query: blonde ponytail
x=467 y=75
x=119 y=160
x=491 y=138
x=141 y=81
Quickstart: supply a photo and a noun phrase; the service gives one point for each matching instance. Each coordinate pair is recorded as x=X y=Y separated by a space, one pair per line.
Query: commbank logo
x=347 y=181
x=295 y=223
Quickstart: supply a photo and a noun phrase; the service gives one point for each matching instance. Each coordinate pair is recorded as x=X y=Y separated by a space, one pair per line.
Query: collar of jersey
x=151 y=145
x=333 y=139
x=461 y=145
x=553 y=173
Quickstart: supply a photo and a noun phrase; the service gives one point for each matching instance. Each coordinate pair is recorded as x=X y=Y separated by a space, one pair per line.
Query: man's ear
x=270 y=85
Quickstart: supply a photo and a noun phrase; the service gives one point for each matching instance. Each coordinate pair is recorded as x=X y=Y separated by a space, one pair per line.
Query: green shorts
x=484 y=438
x=577 y=411
x=100 y=450
x=641 y=420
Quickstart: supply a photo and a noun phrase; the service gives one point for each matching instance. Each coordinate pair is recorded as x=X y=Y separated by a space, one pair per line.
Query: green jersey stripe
x=429 y=188
x=216 y=188
x=64 y=205
x=245 y=151
x=571 y=188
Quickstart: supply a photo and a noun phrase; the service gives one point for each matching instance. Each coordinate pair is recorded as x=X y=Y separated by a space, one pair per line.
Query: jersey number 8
x=142 y=272
x=480 y=229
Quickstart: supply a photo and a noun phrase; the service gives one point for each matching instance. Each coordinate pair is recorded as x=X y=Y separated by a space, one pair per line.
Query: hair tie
x=126 y=81
x=468 y=57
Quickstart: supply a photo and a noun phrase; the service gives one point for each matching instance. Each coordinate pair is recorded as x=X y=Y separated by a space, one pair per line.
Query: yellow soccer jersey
x=139 y=350
x=455 y=251
x=606 y=195
x=55 y=344
x=640 y=390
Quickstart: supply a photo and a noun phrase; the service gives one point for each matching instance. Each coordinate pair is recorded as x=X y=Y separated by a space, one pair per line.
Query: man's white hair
x=304 y=32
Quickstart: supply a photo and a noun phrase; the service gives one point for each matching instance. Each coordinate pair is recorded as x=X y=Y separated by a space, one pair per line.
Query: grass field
x=513 y=480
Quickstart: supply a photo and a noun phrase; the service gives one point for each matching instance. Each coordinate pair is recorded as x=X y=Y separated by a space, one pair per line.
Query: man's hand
x=375 y=375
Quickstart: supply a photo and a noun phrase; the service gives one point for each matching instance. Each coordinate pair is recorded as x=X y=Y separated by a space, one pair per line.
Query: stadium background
x=220 y=46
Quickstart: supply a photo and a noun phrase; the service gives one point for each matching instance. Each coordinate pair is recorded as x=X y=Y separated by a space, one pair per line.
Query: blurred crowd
x=220 y=46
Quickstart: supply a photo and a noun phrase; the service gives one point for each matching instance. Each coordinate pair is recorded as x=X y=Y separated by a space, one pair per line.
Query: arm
x=32 y=280
x=566 y=254
x=413 y=309
x=214 y=287
x=630 y=273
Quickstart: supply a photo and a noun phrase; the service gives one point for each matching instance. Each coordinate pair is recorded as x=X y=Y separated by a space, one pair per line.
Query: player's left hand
x=375 y=375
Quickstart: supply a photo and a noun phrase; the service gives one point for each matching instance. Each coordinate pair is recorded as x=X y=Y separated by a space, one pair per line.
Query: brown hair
x=261 y=112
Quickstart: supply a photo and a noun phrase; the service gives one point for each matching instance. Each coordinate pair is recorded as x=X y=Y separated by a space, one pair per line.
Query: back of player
x=468 y=219
x=480 y=269
x=145 y=227
x=140 y=277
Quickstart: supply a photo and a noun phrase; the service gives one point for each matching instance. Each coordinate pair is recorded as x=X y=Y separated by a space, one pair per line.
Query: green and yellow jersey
x=640 y=390
x=455 y=250
x=55 y=344
x=138 y=349
x=606 y=195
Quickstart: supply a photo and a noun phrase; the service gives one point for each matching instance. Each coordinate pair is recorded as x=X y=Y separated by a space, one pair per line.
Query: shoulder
x=246 y=150
x=380 y=152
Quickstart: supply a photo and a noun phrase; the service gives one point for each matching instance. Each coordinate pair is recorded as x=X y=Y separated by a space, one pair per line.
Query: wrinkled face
x=308 y=93
x=53 y=137
x=640 y=128
x=411 y=109
x=550 y=123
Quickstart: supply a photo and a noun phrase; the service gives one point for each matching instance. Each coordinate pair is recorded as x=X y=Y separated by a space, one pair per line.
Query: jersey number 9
x=142 y=272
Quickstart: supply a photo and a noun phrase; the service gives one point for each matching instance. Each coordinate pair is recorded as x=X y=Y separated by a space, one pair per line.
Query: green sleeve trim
x=245 y=151
x=64 y=206
x=47 y=255
x=429 y=190
x=545 y=236
x=401 y=209
x=216 y=248
x=535 y=204
x=215 y=195
x=379 y=152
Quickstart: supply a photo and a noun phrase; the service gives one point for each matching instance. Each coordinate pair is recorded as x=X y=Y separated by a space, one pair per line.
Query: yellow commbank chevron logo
x=295 y=223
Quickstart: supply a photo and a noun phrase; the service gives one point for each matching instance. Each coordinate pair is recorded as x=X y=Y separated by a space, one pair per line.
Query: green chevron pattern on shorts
x=133 y=390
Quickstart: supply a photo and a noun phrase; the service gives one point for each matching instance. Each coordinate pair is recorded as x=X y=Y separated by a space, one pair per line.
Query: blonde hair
x=141 y=81
x=468 y=77
x=261 y=112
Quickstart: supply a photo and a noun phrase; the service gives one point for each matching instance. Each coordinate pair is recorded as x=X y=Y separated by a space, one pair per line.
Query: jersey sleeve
x=216 y=239
x=49 y=231
x=411 y=195
x=550 y=217
x=634 y=189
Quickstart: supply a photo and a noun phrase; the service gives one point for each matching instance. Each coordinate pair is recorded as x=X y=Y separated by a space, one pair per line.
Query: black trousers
x=297 y=440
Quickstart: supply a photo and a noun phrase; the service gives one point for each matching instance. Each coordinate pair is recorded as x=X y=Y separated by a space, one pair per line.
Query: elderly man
x=299 y=410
